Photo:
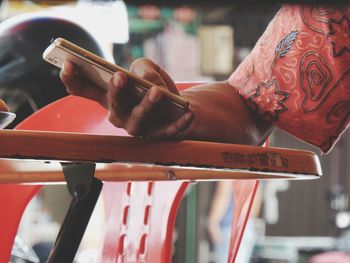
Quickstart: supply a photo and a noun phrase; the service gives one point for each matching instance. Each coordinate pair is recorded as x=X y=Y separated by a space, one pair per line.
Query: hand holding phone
x=170 y=110
x=100 y=71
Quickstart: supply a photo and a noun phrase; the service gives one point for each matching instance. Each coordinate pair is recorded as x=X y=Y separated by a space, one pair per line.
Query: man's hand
x=217 y=112
x=139 y=118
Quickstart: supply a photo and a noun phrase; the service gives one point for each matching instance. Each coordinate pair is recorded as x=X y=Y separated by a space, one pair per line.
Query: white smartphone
x=100 y=71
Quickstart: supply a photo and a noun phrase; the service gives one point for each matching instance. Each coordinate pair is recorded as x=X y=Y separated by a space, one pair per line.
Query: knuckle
x=145 y=68
x=132 y=130
x=171 y=132
x=113 y=106
x=154 y=77
x=65 y=79
x=112 y=118
x=136 y=116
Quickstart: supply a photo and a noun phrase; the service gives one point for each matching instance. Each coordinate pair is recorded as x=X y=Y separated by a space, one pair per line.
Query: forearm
x=221 y=115
x=220 y=202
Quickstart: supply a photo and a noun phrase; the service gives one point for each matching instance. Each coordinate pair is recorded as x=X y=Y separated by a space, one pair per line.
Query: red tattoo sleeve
x=298 y=74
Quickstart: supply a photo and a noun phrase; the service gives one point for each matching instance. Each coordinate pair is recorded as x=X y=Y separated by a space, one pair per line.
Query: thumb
x=151 y=71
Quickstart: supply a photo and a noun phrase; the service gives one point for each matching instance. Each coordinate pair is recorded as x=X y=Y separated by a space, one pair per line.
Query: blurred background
x=195 y=41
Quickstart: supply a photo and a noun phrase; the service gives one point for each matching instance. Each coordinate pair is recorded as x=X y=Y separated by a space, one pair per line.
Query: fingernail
x=118 y=79
x=154 y=95
x=189 y=116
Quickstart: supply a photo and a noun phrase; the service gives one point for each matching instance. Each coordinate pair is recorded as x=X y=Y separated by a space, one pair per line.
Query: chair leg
x=85 y=190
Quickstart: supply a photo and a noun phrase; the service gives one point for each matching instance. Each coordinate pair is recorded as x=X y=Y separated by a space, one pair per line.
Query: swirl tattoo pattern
x=315 y=76
x=338 y=114
x=298 y=74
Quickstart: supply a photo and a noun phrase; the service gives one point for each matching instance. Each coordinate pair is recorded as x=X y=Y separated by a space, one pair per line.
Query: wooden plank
x=190 y=159
x=38 y=171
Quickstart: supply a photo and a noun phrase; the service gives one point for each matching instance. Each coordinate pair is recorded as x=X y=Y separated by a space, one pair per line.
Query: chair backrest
x=140 y=221
x=13 y=200
x=140 y=216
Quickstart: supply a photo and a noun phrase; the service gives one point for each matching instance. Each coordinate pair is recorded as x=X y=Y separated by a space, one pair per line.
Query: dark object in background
x=27 y=82
x=43 y=250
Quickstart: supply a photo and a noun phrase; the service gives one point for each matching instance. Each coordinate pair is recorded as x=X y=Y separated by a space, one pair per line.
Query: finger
x=147 y=69
x=151 y=71
x=176 y=129
x=168 y=81
x=117 y=98
x=80 y=86
x=134 y=125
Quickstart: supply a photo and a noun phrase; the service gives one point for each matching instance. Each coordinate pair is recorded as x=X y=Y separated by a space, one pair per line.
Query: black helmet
x=27 y=82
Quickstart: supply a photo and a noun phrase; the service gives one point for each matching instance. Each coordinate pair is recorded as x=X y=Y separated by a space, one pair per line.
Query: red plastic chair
x=140 y=216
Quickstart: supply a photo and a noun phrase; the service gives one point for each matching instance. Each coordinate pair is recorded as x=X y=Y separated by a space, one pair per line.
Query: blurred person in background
x=220 y=218
x=220 y=221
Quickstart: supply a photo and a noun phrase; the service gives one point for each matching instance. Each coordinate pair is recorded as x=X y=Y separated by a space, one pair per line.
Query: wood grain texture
x=127 y=158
